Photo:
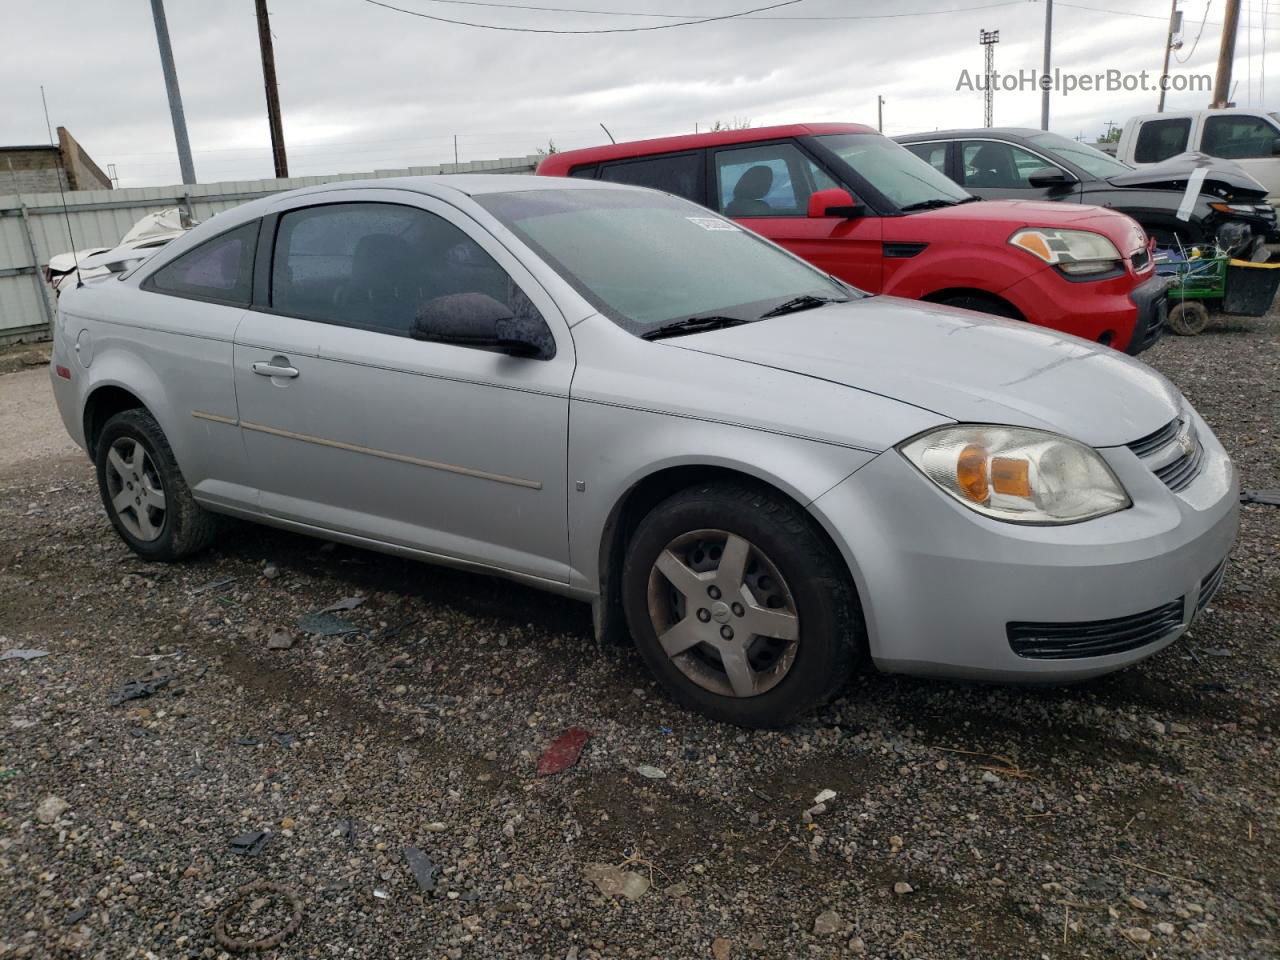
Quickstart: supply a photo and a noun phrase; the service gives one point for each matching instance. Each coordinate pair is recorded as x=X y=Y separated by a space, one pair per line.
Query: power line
x=659 y=26
x=702 y=18
x=1192 y=52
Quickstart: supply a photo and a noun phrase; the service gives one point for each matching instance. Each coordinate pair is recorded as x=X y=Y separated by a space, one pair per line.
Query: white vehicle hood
x=962 y=365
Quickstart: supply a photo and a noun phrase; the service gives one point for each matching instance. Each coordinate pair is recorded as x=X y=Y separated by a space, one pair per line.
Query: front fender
x=993 y=270
x=614 y=450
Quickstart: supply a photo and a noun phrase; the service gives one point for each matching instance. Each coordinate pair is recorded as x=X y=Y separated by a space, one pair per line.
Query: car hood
x=965 y=366
x=1120 y=229
x=1173 y=173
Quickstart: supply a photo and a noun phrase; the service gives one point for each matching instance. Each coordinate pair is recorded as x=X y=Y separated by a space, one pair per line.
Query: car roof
x=441 y=185
x=563 y=161
x=977 y=133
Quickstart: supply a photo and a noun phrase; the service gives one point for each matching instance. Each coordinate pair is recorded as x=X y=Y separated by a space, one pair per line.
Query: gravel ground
x=1134 y=816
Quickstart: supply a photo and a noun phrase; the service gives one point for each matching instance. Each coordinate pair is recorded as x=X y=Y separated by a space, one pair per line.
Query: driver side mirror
x=834 y=202
x=1050 y=177
x=477 y=320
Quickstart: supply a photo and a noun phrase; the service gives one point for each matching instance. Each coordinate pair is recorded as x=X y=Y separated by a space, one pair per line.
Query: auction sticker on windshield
x=712 y=223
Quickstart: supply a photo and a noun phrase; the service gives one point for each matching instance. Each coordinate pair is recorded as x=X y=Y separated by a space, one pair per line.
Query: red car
x=875 y=215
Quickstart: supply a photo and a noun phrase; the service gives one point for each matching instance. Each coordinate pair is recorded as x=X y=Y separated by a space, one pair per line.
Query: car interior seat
x=749 y=193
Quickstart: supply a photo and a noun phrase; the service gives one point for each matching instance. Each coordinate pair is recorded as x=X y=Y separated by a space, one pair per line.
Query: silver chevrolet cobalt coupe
x=761 y=475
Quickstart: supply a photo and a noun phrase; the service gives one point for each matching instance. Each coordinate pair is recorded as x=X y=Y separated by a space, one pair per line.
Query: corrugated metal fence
x=33 y=227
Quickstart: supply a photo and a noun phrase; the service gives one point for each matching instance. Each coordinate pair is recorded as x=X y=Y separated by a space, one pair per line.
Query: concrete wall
x=81 y=172
x=36 y=169
x=33 y=227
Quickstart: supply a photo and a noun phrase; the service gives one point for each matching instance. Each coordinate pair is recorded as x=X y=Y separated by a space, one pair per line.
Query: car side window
x=375 y=265
x=220 y=269
x=680 y=174
x=989 y=163
x=934 y=154
x=774 y=180
x=1161 y=139
x=1238 y=138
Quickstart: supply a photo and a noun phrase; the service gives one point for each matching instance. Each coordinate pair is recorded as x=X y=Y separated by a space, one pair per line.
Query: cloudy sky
x=363 y=87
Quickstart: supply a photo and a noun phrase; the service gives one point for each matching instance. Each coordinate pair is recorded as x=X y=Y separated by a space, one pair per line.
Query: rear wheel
x=1188 y=318
x=144 y=493
x=739 y=605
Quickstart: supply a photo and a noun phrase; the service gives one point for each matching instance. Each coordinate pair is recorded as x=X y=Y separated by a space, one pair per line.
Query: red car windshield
x=908 y=182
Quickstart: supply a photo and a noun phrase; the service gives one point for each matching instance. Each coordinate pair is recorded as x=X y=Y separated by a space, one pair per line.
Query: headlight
x=1018 y=474
x=1235 y=207
x=1078 y=252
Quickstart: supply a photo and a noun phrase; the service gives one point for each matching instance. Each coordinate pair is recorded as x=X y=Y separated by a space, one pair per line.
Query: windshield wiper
x=806 y=301
x=679 y=328
x=933 y=204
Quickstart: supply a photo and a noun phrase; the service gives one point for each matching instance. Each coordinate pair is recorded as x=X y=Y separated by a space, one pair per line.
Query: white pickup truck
x=1249 y=137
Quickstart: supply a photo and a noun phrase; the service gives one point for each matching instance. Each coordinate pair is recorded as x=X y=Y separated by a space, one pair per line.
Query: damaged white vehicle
x=144 y=238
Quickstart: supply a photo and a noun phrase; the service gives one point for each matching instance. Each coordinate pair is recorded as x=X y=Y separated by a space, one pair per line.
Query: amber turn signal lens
x=1035 y=243
x=971 y=473
x=1012 y=477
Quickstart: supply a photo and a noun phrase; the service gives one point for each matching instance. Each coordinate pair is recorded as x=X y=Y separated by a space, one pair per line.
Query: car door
x=1248 y=139
x=183 y=319
x=766 y=187
x=353 y=426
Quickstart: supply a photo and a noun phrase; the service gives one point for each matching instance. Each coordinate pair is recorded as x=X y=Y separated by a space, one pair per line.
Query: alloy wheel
x=723 y=613
x=135 y=489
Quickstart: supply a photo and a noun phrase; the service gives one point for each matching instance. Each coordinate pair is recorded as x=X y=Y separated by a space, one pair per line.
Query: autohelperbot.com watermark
x=1066 y=81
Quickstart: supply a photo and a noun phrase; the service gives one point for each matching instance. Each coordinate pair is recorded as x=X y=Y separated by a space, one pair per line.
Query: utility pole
x=1044 y=76
x=988 y=39
x=273 y=95
x=1226 y=54
x=880 y=113
x=175 y=95
x=1175 y=28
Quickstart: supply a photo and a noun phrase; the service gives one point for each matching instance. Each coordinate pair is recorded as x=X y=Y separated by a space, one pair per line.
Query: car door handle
x=264 y=369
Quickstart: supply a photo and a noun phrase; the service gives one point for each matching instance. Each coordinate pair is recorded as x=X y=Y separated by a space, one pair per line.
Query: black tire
x=184 y=527
x=982 y=304
x=1188 y=318
x=832 y=638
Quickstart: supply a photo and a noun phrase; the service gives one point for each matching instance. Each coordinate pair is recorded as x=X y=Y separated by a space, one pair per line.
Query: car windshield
x=1089 y=159
x=647 y=260
x=907 y=181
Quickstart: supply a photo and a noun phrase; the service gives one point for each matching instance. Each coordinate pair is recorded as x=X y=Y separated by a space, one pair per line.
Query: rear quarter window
x=681 y=174
x=220 y=269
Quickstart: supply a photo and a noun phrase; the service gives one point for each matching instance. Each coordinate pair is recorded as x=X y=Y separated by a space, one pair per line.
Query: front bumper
x=1151 y=299
x=1118 y=311
x=940 y=585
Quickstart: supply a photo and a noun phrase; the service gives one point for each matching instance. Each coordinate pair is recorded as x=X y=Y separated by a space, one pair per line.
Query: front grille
x=1140 y=260
x=1209 y=586
x=1154 y=441
x=1094 y=638
x=1179 y=474
x=1174 y=454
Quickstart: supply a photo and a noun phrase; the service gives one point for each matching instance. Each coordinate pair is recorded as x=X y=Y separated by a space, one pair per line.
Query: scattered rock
x=828 y=923
x=824 y=796
x=1157 y=727
x=653 y=773
x=902 y=888
x=613 y=881
x=51 y=808
x=721 y=948
x=1137 y=934
x=281 y=639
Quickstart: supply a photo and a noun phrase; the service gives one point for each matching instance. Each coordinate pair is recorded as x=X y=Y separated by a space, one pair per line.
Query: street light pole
x=1044 y=76
x=175 y=95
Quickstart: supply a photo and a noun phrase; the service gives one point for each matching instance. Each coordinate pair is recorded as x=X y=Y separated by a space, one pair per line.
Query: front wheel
x=739 y=605
x=143 y=490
